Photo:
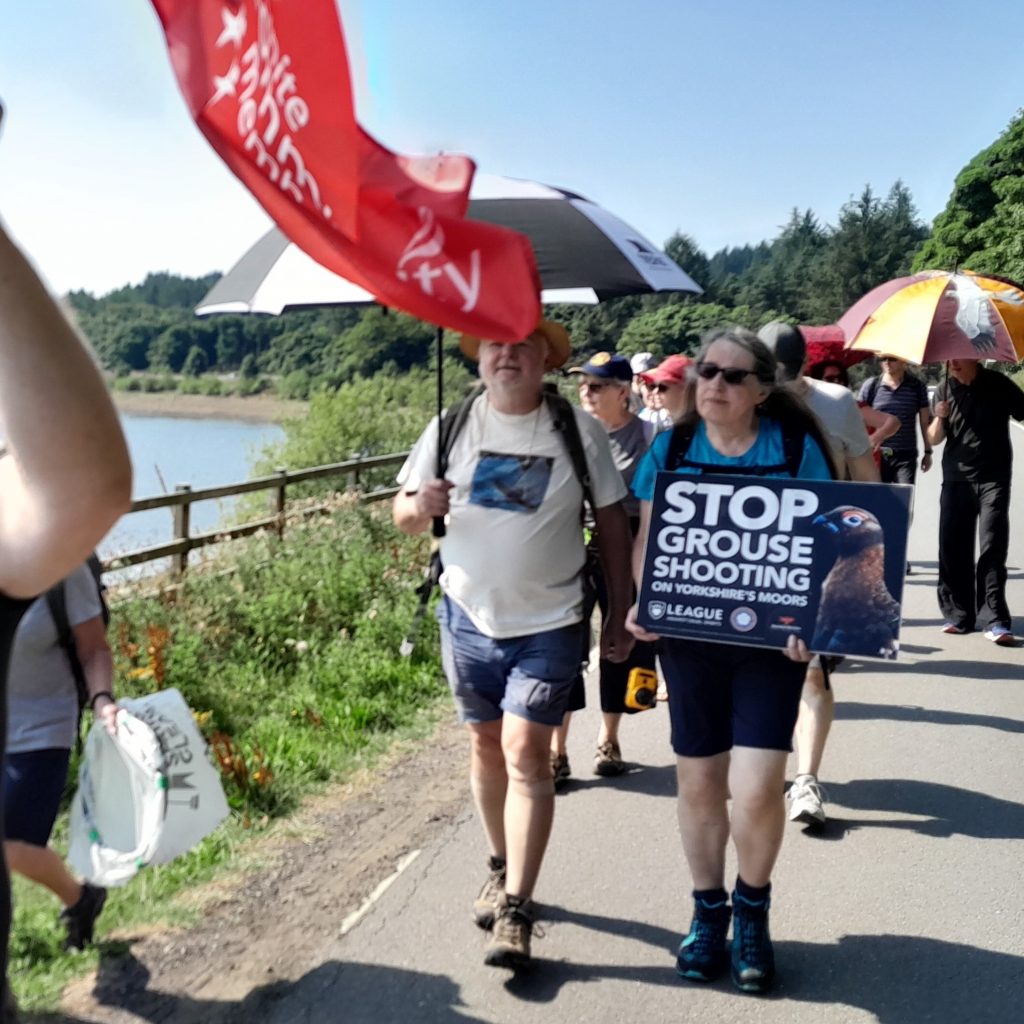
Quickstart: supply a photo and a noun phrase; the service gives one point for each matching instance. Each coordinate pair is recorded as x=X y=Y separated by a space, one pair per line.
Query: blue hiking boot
x=753 y=959
x=702 y=953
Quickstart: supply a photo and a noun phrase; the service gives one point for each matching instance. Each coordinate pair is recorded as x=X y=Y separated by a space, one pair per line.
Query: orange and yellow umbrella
x=938 y=315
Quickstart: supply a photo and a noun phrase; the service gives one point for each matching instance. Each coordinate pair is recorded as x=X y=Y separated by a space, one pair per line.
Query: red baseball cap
x=670 y=371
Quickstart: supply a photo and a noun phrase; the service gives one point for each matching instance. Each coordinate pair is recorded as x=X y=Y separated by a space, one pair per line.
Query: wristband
x=928 y=451
x=96 y=696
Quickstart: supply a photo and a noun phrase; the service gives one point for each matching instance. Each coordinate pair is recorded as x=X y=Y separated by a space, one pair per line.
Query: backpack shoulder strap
x=56 y=600
x=564 y=419
x=678 y=445
x=793 y=439
x=872 y=391
x=451 y=424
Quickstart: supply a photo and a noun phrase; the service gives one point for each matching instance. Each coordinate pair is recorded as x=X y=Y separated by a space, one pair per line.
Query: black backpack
x=793 y=437
x=56 y=599
x=451 y=425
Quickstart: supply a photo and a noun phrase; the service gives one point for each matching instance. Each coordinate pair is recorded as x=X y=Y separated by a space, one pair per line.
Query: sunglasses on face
x=832 y=378
x=660 y=388
x=593 y=385
x=730 y=374
x=889 y=359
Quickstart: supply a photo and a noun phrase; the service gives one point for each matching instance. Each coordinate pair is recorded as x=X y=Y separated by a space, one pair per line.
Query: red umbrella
x=827 y=344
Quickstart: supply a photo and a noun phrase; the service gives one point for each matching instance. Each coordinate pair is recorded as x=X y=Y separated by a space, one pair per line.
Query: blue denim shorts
x=33 y=787
x=527 y=676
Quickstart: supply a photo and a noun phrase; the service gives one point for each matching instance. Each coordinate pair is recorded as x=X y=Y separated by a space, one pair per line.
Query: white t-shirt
x=41 y=692
x=513 y=550
x=841 y=420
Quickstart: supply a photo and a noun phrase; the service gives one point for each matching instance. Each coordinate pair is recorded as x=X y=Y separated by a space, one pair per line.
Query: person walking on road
x=512 y=597
x=973 y=408
x=840 y=418
x=732 y=708
x=604 y=389
x=42 y=725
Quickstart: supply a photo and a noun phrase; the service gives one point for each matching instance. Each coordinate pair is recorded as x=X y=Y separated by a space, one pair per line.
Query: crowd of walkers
x=548 y=504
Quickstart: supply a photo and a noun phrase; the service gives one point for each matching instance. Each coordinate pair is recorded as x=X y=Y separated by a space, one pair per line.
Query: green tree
x=195 y=363
x=673 y=328
x=982 y=226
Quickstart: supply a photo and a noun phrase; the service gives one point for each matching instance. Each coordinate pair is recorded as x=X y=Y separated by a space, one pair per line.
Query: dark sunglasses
x=660 y=388
x=889 y=359
x=593 y=385
x=832 y=378
x=730 y=374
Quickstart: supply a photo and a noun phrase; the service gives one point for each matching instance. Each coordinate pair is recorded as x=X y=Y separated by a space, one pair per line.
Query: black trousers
x=900 y=467
x=974 y=593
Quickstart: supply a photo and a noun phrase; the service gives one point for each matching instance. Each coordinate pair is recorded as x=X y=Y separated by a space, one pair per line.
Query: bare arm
x=98 y=665
x=613 y=544
x=639 y=543
x=883 y=425
x=414 y=511
x=67 y=476
x=937 y=428
x=926 y=459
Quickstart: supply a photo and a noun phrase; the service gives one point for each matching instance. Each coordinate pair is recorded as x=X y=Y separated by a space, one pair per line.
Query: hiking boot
x=509 y=944
x=753 y=959
x=485 y=906
x=702 y=953
x=80 y=919
x=806 y=801
x=608 y=759
x=560 y=770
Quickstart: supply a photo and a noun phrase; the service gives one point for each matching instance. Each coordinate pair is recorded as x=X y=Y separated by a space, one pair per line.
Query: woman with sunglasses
x=665 y=388
x=605 y=386
x=732 y=707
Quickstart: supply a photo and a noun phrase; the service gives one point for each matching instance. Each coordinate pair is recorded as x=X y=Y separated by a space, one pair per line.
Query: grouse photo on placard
x=856 y=612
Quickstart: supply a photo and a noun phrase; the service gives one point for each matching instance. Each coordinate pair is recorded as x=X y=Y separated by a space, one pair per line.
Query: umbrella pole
x=438 y=527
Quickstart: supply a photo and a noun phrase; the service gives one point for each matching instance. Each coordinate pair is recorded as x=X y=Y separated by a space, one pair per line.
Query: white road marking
x=357 y=915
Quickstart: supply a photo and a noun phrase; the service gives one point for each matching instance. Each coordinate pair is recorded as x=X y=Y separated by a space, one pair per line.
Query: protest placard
x=738 y=561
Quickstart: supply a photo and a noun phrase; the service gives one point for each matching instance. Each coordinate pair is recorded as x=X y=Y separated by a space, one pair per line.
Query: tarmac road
x=906 y=908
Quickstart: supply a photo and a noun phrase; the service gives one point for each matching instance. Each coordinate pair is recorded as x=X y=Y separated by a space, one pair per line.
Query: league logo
x=656 y=609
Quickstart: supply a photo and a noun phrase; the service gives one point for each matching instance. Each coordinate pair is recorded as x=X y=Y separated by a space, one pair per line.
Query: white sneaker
x=806 y=801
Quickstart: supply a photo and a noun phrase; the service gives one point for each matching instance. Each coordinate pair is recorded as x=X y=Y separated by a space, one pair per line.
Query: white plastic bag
x=147 y=795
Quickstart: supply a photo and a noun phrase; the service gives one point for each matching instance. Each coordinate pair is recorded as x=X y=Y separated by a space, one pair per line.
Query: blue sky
x=712 y=118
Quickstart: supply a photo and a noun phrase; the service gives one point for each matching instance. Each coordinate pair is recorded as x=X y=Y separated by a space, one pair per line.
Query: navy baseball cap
x=606 y=366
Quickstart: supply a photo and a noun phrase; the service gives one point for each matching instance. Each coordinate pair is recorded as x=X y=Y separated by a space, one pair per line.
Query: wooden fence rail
x=184 y=497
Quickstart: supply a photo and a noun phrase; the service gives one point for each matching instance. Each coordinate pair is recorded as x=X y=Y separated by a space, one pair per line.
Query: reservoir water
x=167 y=451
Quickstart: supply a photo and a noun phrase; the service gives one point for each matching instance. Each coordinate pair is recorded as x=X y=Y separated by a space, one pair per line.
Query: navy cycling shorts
x=722 y=696
x=33 y=787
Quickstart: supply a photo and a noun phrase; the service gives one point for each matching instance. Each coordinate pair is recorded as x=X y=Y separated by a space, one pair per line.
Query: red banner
x=268 y=85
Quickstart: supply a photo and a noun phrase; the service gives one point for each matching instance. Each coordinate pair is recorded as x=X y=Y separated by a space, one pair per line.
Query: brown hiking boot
x=608 y=759
x=485 y=906
x=509 y=944
x=560 y=770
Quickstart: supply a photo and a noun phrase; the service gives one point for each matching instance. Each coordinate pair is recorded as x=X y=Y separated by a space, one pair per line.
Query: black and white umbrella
x=584 y=254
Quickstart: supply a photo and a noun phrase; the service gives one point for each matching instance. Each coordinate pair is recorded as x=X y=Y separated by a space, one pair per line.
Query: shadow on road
x=335 y=991
x=900 y=979
x=947 y=810
x=857 y=712
x=989 y=671
x=650 y=780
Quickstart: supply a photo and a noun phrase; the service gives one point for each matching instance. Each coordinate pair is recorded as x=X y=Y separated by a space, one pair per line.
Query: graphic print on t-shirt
x=513 y=483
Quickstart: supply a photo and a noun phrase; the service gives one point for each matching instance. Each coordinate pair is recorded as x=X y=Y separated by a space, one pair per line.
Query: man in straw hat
x=512 y=583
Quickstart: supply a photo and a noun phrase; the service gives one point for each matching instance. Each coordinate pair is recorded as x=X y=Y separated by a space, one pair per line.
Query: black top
x=11 y=612
x=978 y=428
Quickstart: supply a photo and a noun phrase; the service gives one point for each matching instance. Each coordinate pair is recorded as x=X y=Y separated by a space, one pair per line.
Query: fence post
x=352 y=477
x=182 y=518
x=278 y=499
